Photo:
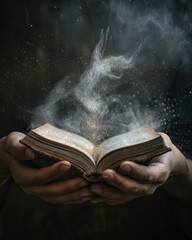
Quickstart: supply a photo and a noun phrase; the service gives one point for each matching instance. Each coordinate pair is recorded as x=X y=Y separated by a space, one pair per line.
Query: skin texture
x=39 y=182
x=172 y=170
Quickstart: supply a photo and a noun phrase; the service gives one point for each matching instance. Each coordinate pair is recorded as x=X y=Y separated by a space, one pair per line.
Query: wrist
x=181 y=169
x=179 y=184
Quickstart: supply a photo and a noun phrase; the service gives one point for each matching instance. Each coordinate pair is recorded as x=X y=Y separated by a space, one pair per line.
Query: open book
x=137 y=145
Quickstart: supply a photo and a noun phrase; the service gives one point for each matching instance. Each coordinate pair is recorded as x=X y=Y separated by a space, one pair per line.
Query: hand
x=140 y=180
x=38 y=182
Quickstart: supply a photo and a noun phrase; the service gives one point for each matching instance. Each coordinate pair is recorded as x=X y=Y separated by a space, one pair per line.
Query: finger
x=25 y=176
x=109 y=195
x=57 y=188
x=71 y=198
x=106 y=191
x=127 y=184
x=112 y=202
x=58 y=201
x=156 y=172
x=16 y=149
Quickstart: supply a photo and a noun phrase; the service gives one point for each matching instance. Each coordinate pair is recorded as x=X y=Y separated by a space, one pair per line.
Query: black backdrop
x=42 y=41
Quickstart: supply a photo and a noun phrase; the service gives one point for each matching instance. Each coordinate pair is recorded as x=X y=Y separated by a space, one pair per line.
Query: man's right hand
x=39 y=182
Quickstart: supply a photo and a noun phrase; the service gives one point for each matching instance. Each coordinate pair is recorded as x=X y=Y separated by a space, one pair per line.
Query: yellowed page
x=61 y=136
x=137 y=136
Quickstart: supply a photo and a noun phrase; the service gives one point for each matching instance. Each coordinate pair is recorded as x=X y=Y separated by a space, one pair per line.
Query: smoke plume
x=126 y=87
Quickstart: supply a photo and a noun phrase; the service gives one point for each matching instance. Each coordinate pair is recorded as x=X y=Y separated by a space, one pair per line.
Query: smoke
x=89 y=90
x=117 y=93
x=90 y=107
x=162 y=39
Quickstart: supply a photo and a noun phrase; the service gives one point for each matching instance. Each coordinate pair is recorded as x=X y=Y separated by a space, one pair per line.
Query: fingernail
x=126 y=168
x=96 y=190
x=29 y=153
x=65 y=165
x=84 y=194
x=108 y=176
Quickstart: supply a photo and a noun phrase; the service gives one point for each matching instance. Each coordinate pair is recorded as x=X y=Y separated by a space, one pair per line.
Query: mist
x=127 y=80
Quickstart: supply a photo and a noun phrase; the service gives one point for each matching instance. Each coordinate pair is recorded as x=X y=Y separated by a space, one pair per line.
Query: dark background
x=42 y=41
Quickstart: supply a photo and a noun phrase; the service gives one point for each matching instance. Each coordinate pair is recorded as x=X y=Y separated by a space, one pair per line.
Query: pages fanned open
x=139 y=145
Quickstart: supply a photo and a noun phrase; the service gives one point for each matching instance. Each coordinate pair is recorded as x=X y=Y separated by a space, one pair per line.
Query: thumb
x=16 y=149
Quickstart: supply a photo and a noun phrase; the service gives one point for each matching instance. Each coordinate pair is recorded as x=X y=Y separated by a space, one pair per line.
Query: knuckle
x=142 y=191
x=162 y=177
x=119 y=182
x=149 y=191
x=136 y=190
x=151 y=178
x=159 y=178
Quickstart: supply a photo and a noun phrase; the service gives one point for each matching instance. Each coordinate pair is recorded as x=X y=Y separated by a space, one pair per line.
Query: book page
x=134 y=137
x=61 y=136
